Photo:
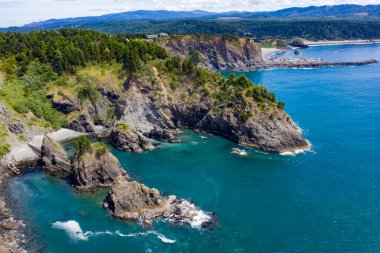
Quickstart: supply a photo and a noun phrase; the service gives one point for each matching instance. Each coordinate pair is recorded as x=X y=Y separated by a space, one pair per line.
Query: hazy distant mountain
x=335 y=11
x=106 y=21
x=123 y=16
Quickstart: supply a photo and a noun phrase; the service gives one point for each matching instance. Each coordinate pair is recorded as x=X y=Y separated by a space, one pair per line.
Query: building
x=152 y=36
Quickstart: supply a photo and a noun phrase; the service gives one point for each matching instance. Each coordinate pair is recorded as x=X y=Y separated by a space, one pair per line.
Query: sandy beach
x=267 y=52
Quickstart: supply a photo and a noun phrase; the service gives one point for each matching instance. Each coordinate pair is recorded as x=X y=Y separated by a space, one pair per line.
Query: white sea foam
x=298 y=151
x=73 y=229
x=165 y=239
x=240 y=152
x=159 y=236
x=198 y=216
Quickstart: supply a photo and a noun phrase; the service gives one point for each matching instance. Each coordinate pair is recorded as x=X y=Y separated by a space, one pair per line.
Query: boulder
x=16 y=127
x=95 y=167
x=54 y=158
x=163 y=135
x=127 y=139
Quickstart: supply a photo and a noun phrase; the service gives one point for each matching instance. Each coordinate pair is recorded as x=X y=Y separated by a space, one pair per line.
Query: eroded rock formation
x=95 y=167
x=130 y=200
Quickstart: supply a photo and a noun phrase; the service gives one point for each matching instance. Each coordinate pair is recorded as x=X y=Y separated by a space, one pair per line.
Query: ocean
x=323 y=200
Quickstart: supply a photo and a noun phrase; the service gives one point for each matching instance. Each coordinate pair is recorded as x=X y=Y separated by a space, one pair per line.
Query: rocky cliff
x=54 y=158
x=130 y=200
x=233 y=108
x=95 y=167
x=216 y=52
x=127 y=139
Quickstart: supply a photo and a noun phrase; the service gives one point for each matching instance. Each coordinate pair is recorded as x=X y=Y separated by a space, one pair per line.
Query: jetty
x=277 y=62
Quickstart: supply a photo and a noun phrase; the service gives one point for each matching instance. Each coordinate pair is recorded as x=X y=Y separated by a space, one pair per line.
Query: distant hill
x=312 y=12
x=335 y=11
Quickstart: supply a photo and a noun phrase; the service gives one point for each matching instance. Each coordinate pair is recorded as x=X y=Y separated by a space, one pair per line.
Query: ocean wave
x=73 y=229
x=298 y=151
x=198 y=216
x=240 y=152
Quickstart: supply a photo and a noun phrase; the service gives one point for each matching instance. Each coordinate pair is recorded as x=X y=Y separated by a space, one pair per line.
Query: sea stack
x=54 y=158
x=95 y=166
x=130 y=200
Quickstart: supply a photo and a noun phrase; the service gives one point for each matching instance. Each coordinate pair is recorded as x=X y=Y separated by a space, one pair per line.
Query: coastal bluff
x=230 y=53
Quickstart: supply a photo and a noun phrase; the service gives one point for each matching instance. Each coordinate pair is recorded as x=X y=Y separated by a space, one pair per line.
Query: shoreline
x=13 y=235
x=269 y=52
x=340 y=42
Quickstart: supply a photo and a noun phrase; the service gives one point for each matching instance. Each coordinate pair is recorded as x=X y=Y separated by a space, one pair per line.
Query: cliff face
x=216 y=52
x=218 y=106
x=54 y=157
x=95 y=167
x=130 y=200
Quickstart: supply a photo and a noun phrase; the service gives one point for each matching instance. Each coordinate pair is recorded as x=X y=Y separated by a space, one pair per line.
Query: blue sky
x=19 y=12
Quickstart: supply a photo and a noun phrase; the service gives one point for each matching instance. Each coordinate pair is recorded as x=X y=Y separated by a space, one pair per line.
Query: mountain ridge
x=318 y=12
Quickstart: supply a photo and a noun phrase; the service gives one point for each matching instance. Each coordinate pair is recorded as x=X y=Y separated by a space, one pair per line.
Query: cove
x=325 y=200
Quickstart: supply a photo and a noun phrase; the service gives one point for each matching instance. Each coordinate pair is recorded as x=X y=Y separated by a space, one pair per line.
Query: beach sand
x=267 y=52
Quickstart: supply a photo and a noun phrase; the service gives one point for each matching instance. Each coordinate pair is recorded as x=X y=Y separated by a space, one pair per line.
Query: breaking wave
x=73 y=229
x=298 y=151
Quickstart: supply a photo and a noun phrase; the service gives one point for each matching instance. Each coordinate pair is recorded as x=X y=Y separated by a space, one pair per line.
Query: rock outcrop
x=130 y=200
x=237 y=117
x=216 y=52
x=95 y=167
x=163 y=135
x=54 y=158
x=127 y=139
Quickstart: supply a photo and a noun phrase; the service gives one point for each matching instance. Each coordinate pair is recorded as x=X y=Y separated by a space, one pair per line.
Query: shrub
x=281 y=105
x=82 y=144
x=122 y=126
x=100 y=148
x=4 y=149
x=88 y=92
x=245 y=115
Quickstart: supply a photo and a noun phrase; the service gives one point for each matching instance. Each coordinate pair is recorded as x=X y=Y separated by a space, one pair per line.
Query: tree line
x=66 y=49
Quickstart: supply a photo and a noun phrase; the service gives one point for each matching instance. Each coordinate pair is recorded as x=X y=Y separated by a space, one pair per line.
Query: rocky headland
x=154 y=102
x=217 y=53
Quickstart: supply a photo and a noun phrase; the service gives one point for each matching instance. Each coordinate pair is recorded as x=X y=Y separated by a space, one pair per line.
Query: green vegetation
x=101 y=148
x=122 y=127
x=319 y=29
x=66 y=49
x=4 y=147
x=82 y=144
x=27 y=94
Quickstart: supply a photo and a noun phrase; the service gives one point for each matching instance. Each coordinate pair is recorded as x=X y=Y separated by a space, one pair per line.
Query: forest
x=66 y=49
x=314 y=29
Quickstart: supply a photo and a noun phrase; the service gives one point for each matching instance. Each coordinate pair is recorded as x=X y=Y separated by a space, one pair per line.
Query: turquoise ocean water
x=325 y=200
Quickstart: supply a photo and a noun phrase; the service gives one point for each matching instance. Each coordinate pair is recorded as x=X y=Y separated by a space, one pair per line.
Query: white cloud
x=18 y=12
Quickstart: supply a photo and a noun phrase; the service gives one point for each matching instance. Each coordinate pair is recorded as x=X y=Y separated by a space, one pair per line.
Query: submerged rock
x=95 y=167
x=54 y=158
x=127 y=139
x=130 y=200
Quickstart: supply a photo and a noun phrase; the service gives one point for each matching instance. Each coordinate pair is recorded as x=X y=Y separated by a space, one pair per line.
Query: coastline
x=340 y=42
x=13 y=236
x=268 y=52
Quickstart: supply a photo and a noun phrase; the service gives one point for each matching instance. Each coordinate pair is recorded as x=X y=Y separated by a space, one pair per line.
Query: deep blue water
x=326 y=200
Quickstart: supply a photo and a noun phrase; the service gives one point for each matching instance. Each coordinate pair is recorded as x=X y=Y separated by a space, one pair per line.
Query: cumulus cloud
x=18 y=12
